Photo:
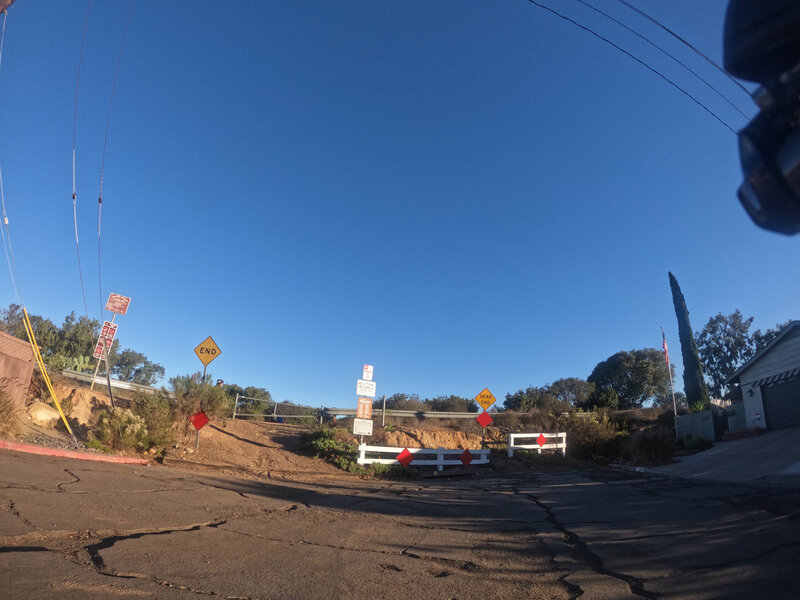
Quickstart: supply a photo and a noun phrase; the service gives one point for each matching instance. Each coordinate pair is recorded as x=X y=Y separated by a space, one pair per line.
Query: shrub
x=192 y=396
x=696 y=443
x=9 y=415
x=120 y=429
x=651 y=447
x=592 y=437
x=158 y=414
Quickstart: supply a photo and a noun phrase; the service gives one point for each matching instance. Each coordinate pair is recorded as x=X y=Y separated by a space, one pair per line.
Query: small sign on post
x=485 y=399
x=364 y=410
x=362 y=426
x=118 y=304
x=199 y=420
x=366 y=388
x=206 y=351
x=367 y=374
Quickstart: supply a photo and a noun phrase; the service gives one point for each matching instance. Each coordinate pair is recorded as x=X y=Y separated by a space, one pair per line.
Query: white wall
x=783 y=356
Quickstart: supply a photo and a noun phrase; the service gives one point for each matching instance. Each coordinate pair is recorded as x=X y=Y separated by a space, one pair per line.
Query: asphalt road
x=75 y=529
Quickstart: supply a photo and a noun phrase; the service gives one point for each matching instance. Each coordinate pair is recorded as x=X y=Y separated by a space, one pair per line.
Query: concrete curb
x=31 y=449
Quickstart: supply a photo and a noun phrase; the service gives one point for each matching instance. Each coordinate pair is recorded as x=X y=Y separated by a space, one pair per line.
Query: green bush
x=651 y=447
x=158 y=414
x=696 y=443
x=592 y=437
x=192 y=396
x=120 y=429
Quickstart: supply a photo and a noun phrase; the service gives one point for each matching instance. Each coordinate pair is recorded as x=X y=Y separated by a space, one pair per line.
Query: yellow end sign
x=485 y=399
x=207 y=351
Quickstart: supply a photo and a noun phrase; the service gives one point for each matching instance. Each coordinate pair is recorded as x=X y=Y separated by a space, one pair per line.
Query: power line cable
x=103 y=160
x=679 y=38
x=74 y=136
x=7 y=250
x=637 y=59
x=5 y=233
x=663 y=51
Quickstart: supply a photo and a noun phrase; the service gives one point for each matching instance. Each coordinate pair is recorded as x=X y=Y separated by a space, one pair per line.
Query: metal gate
x=782 y=404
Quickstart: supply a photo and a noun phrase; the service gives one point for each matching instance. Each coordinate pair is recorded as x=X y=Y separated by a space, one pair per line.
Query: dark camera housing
x=762 y=44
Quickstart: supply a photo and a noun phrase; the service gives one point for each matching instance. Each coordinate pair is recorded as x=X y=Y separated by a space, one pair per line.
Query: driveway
x=772 y=458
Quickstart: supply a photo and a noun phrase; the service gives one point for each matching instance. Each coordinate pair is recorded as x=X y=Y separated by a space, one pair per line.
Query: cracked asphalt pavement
x=85 y=530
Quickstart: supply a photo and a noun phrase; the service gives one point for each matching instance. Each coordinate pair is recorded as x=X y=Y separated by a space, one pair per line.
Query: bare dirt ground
x=246 y=449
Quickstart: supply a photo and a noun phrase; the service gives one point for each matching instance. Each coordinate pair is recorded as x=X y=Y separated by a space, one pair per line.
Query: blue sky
x=465 y=194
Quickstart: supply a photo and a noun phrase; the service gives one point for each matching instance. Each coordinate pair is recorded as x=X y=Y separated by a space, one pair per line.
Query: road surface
x=84 y=530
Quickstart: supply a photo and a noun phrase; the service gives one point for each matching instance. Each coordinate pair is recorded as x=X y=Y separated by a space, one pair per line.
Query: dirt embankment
x=252 y=449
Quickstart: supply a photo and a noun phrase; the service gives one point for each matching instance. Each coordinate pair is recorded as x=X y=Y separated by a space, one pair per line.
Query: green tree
x=636 y=377
x=572 y=391
x=134 y=367
x=694 y=384
x=452 y=404
x=725 y=344
x=531 y=398
x=762 y=339
x=402 y=401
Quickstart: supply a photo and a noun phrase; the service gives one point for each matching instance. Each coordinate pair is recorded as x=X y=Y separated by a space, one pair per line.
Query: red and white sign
x=118 y=304
x=199 y=420
x=105 y=340
x=367 y=374
x=364 y=410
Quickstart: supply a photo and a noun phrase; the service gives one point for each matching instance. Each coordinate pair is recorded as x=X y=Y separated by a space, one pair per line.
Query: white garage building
x=770 y=383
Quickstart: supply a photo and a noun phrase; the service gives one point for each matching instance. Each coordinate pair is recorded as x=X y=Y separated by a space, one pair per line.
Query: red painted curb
x=31 y=449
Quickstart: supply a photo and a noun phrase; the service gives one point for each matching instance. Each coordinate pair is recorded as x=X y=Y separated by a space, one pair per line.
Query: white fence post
x=556 y=445
x=441 y=457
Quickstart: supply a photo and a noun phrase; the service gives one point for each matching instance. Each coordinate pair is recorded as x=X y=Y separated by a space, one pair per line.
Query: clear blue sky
x=464 y=194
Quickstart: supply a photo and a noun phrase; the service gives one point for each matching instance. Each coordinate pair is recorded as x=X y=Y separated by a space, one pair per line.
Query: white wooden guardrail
x=438 y=457
x=542 y=441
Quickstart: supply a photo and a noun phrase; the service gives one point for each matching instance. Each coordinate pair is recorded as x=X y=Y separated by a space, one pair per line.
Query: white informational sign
x=362 y=427
x=365 y=388
x=367 y=376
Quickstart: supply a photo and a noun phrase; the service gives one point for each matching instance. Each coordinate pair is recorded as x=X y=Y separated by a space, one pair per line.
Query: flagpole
x=671 y=388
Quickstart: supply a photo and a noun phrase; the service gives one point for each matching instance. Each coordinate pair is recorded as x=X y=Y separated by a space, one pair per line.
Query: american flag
x=664 y=345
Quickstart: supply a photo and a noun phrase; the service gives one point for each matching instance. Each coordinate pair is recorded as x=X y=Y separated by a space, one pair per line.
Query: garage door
x=782 y=404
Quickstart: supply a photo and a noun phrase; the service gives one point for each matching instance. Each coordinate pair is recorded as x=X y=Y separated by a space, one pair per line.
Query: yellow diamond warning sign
x=207 y=351
x=485 y=399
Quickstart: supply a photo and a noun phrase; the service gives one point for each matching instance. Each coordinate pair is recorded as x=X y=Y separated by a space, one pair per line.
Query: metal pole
x=97 y=366
x=204 y=373
x=197 y=440
x=383 y=412
x=671 y=388
x=235 y=404
x=275 y=413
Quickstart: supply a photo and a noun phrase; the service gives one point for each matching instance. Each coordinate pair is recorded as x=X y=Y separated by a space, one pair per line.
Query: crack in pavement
x=75 y=480
x=589 y=558
x=72 y=545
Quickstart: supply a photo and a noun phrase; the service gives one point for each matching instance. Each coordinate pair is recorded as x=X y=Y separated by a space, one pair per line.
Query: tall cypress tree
x=694 y=385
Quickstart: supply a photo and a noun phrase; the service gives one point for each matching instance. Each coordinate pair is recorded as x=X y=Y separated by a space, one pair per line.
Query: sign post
x=207 y=351
x=119 y=306
x=365 y=388
x=199 y=420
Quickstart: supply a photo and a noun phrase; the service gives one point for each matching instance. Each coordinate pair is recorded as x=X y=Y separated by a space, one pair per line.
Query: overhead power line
x=638 y=60
x=667 y=53
x=103 y=160
x=74 y=137
x=679 y=38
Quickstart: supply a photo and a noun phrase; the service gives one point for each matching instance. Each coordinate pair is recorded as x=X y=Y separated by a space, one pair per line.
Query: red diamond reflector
x=484 y=419
x=541 y=440
x=405 y=457
x=199 y=420
x=466 y=457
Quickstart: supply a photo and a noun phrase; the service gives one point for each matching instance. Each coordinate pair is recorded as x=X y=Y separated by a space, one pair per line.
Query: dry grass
x=9 y=416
